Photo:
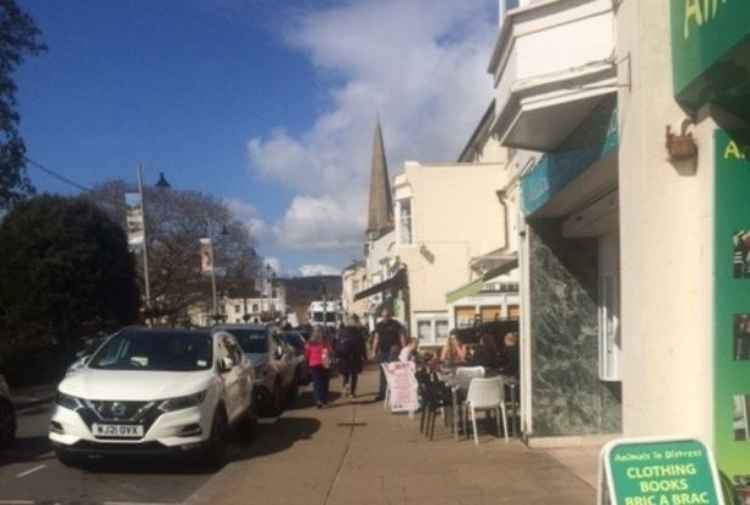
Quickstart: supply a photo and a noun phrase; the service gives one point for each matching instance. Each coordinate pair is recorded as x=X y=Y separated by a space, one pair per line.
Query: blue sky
x=268 y=107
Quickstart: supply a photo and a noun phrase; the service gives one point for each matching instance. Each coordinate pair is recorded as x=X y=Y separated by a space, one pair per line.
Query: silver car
x=7 y=416
x=275 y=365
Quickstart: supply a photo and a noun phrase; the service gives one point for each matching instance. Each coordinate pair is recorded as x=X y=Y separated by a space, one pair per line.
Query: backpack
x=345 y=344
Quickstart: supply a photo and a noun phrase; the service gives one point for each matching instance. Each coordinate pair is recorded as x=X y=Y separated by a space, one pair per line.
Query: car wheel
x=277 y=400
x=67 y=458
x=217 y=446
x=294 y=386
x=7 y=424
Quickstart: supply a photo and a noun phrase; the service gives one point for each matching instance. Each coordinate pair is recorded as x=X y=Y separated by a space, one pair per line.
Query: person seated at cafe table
x=486 y=354
x=509 y=355
x=453 y=352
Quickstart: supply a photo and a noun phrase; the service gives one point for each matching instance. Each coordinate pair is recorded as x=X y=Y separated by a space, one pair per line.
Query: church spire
x=380 y=215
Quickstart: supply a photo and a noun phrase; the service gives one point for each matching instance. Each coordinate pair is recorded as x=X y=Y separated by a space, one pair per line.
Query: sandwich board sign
x=658 y=471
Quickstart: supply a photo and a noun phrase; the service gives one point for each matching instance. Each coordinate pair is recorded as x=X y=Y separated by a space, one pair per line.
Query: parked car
x=155 y=392
x=297 y=342
x=7 y=416
x=274 y=363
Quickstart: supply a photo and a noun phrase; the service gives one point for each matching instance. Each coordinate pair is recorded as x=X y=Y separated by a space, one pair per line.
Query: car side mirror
x=225 y=364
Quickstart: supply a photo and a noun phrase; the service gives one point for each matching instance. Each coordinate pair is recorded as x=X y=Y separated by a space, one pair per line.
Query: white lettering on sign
x=699 y=12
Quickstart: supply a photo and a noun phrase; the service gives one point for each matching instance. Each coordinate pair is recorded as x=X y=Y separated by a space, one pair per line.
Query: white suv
x=154 y=391
x=7 y=416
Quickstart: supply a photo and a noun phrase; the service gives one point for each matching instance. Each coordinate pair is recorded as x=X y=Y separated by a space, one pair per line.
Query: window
x=432 y=330
x=237 y=309
x=273 y=307
x=424 y=331
x=355 y=286
x=404 y=220
x=255 y=307
x=442 y=328
x=465 y=317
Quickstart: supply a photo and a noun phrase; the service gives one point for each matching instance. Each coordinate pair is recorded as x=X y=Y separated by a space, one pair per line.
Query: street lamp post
x=215 y=309
x=161 y=184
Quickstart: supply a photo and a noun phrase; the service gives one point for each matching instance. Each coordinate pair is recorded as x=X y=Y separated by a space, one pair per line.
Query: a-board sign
x=403 y=385
x=665 y=471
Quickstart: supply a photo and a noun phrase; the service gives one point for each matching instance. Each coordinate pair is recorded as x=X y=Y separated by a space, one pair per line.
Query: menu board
x=402 y=382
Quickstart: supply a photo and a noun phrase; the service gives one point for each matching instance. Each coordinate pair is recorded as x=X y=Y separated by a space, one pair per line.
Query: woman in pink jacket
x=318 y=356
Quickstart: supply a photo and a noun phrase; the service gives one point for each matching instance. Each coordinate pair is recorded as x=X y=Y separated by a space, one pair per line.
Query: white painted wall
x=665 y=242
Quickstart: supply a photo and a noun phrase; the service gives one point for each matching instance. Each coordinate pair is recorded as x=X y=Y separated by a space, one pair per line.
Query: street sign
x=658 y=471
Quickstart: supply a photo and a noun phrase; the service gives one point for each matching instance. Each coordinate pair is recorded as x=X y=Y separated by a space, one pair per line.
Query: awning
x=494 y=260
x=396 y=281
x=475 y=286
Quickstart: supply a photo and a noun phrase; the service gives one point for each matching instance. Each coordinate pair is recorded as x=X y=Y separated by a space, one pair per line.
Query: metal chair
x=487 y=395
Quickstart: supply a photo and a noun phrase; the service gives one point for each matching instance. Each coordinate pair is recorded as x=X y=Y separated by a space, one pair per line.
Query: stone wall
x=568 y=397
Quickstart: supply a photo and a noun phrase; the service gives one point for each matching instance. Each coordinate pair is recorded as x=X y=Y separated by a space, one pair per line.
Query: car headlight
x=182 y=402
x=67 y=401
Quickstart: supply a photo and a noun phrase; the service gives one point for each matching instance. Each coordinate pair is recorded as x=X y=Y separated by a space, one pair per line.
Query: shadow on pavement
x=277 y=437
x=306 y=400
x=26 y=449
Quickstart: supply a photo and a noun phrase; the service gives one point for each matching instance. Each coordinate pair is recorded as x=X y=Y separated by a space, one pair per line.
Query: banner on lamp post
x=207 y=256
x=134 y=220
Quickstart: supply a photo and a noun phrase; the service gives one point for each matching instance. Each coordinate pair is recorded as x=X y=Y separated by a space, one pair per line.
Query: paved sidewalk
x=355 y=453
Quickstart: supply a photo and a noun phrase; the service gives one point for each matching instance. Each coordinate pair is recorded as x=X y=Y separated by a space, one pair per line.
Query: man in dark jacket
x=351 y=354
x=390 y=337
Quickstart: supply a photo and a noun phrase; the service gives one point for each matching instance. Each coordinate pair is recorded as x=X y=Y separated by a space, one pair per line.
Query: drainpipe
x=501 y=196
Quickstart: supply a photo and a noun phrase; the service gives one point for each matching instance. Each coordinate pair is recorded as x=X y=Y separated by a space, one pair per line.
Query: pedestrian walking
x=390 y=337
x=318 y=357
x=351 y=354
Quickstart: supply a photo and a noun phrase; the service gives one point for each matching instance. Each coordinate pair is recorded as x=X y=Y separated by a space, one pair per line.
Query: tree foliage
x=19 y=37
x=66 y=272
x=175 y=222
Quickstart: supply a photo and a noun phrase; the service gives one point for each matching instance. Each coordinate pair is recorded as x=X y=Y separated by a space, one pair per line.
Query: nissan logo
x=119 y=409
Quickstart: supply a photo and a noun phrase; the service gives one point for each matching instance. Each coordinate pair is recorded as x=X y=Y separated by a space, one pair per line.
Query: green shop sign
x=658 y=472
x=710 y=50
x=731 y=310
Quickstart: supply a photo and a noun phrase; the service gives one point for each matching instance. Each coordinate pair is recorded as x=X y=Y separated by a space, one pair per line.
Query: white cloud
x=249 y=215
x=321 y=223
x=312 y=270
x=421 y=64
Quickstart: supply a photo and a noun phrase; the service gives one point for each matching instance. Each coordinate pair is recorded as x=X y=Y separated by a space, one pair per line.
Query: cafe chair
x=486 y=395
x=434 y=397
x=464 y=375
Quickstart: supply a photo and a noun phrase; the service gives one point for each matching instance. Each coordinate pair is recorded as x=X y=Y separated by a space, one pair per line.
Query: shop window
x=514 y=312
x=406 y=235
x=465 y=317
x=490 y=313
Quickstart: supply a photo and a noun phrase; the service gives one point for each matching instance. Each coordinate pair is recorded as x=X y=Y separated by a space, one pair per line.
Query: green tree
x=19 y=37
x=66 y=272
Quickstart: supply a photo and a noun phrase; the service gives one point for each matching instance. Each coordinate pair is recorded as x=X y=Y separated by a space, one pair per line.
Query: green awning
x=475 y=286
x=469 y=289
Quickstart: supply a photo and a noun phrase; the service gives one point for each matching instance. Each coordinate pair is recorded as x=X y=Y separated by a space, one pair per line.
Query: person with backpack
x=351 y=355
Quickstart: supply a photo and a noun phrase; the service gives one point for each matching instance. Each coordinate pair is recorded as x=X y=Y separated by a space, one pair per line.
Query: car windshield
x=155 y=351
x=251 y=341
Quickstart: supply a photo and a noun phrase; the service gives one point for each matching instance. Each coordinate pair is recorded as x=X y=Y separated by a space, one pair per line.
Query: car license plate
x=118 y=430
